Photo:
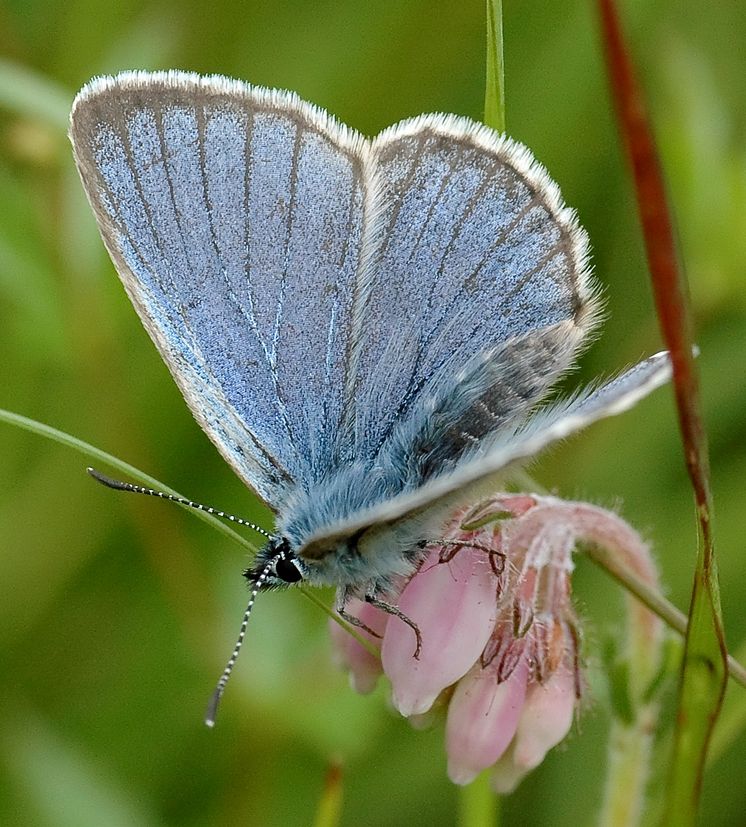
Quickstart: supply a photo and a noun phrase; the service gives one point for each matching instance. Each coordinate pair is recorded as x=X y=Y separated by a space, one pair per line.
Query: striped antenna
x=118 y=485
x=212 y=707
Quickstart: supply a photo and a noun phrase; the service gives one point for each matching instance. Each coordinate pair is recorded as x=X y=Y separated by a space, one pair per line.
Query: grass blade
x=494 y=94
x=99 y=456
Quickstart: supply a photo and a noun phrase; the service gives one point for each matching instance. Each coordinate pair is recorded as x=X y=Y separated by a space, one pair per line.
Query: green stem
x=731 y=722
x=654 y=600
x=478 y=806
x=705 y=664
x=99 y=456
x=636 y=711
x=351 y=630
x=494 y=96
x=627 y=768
x=631 y=738
x=329 y=810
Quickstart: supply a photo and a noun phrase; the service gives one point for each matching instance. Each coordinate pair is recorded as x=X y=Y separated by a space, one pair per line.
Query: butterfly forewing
x=235 y=218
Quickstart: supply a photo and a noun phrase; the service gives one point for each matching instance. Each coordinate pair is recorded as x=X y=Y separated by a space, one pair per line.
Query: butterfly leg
x=396 y=612
x=356 y=622
x=497 y=558
x=343 y=595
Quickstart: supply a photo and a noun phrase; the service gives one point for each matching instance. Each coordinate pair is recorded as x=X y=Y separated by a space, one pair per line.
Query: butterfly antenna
x=119 y=485
x=212 y=707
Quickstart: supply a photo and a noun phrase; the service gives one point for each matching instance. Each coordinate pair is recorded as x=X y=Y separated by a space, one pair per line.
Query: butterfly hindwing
x=475 y=248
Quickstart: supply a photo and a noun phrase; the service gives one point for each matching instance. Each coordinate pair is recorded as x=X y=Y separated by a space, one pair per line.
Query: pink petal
x=482 y=720
x=454 y=607
x=364 y=667
x=546 y=718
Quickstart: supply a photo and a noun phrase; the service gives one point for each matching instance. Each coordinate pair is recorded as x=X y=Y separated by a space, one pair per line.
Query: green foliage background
x=117 y=613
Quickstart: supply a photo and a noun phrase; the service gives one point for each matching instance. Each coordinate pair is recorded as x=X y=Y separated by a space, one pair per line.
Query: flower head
x=492 y=602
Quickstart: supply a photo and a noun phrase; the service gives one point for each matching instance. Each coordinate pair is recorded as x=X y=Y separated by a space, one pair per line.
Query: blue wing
x=477 y=297
x=320 y=299
x=234 y=216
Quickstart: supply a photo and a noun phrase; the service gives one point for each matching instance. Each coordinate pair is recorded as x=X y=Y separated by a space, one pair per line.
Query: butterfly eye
x=287 y=569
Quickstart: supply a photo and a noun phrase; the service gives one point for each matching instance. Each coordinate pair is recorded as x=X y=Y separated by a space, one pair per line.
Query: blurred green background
x=117 y=613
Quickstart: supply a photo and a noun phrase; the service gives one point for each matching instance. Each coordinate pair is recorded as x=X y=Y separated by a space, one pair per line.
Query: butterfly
x=365 y=329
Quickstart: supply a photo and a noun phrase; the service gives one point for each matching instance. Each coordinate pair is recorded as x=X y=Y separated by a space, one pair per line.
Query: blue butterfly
x=364 y=328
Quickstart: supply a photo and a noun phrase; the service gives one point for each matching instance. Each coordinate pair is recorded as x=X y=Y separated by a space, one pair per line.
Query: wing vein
x=288 y=239
x=167 y=264
x=251 y=314
x=402 y=187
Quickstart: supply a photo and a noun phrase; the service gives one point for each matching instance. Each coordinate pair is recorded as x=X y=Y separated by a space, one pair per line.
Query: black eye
x=287 y=570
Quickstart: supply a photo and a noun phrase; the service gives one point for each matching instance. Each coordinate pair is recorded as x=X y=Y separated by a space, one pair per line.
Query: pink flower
x=546 y=718
x=483 y=718
x=454 y=639
x=492 y=602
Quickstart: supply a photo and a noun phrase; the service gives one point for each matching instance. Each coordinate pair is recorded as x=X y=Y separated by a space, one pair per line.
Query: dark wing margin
x=235 y=217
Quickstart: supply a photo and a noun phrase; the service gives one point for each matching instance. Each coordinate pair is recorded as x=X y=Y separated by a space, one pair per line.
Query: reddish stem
x=669 y=285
